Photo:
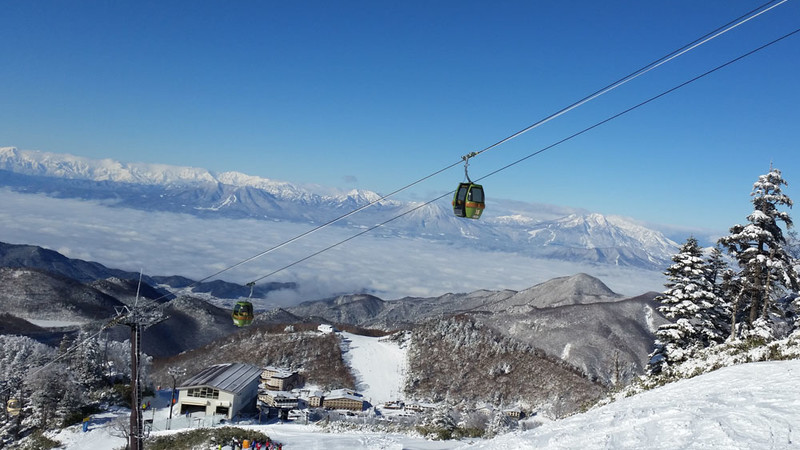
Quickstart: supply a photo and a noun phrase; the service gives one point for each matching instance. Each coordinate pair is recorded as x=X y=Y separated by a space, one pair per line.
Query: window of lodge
x=203 y=392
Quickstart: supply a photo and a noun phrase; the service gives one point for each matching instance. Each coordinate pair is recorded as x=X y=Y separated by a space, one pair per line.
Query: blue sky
x=376 y=94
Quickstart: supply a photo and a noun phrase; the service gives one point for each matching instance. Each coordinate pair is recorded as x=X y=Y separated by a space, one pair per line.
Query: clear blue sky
x=376 y=94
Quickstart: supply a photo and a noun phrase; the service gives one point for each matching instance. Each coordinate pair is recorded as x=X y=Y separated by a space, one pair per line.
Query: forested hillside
x=457 y=360
x=315 y=355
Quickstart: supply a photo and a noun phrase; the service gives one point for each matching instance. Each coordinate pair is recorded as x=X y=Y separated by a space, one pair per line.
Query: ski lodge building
x=220 y=389
x=279 y=379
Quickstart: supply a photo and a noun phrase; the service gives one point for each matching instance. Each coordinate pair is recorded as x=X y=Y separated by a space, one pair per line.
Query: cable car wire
x=694 y=44
x=647 y=68
x=570 y=137
x=653 y=65
x=635 y=74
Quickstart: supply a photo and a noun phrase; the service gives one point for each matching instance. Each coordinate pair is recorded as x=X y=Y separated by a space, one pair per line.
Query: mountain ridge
x=545 y=232
x=50 y=261
x=577 y=318
x=57 y=165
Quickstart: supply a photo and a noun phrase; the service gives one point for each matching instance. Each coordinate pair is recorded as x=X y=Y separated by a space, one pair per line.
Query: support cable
x=725 y=28
x=450 y=193
x=633 y=75
x=653 y=65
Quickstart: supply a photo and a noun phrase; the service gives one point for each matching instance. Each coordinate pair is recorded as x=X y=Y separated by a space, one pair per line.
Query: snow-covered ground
x=751 y=406
x=99 y=436
x=379 y=366
x=309 y=437
x=292 y=436
x=53 y=323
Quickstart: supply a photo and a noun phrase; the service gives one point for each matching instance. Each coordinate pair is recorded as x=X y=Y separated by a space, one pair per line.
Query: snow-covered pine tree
x=86 y=361
x=689 y=301
x=719 y=275
x=499 y=424
x=767 y=270
x=46 y=387
x=716 y=268
x=793 y=244
x=440 y=422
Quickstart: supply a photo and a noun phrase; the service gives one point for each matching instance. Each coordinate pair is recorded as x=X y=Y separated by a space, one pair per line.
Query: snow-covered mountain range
x=70 y=167
x=527 y=229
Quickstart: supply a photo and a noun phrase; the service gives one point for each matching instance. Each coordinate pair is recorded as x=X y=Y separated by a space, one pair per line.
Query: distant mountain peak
x=570 y=290
x=581 y=284
x=596 y=231
x=543 y=231
x=62 y=165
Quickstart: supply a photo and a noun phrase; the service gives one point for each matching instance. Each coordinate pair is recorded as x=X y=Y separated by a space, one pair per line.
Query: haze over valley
x=179 y=221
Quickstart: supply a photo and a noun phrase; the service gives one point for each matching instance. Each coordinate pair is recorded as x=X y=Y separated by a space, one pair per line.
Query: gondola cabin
x=13 y=407
x=468 y=201
x=242 y=314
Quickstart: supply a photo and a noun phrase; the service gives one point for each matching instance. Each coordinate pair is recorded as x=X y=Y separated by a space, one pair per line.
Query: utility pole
x=136 y=413
x=137 y=319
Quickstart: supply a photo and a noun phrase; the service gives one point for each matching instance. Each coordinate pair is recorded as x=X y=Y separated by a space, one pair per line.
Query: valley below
x=529 y=315
x=548 y=349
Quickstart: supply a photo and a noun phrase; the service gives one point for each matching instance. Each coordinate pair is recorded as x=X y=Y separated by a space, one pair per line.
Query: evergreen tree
x=499 y=424
x=46 y=387
x=719 y=275
x=793 y=244
x=766 y=268
x=86 y=361
x=716 y=268
x=689 y=301
x=440 y=422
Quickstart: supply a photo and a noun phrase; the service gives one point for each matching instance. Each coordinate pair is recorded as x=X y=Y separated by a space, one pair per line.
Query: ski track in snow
x=379 y=367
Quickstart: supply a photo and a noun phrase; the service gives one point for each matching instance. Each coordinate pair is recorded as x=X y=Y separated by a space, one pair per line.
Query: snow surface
x=53 y=323
x=379 y=366
x=741 y=407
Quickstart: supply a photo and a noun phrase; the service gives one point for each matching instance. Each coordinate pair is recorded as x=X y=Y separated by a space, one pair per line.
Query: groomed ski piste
x=379 y=366
x=741 y=407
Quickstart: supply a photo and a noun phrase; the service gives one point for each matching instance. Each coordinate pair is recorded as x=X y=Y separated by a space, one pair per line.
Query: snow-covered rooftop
x=232 y=377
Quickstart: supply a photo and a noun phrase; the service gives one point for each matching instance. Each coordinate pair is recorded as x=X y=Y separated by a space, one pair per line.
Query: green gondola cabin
x=468 y=201
x=242 y=314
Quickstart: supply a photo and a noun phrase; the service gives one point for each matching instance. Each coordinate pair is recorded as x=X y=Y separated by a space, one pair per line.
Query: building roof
x=340 y=396
x=280 y=394
x=232 y=377
x=280 y=372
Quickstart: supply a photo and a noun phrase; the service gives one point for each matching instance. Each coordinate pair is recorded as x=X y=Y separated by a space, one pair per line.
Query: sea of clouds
x=163 y=243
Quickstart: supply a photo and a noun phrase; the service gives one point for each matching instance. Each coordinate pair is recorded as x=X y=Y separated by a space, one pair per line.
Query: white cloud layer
x=161 y=243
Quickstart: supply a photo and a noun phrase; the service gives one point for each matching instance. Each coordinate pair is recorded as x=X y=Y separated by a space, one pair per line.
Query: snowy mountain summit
x=55 y=165
x=78 y=168
x=533 y=230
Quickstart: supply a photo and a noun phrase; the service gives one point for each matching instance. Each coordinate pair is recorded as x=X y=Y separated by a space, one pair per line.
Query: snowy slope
x=379 y=366
x=741 y=407
x=750 y=406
